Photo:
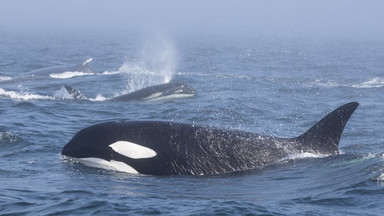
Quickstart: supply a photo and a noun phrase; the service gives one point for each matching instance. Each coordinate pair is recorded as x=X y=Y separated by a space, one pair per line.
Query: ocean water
x=278 y=87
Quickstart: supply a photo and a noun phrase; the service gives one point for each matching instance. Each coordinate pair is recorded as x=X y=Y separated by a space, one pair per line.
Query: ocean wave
x=370 y=156
x=325 y=83
x=372 y=83
x=380 y=177
x=7 y=137
x=5 y=78
x=99 y=97
x=23 y=95
x=112 y=72
x=63 y=94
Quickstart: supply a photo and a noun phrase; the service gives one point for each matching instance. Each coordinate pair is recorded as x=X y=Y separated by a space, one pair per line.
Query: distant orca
x=168 y=148
x=59 y=71
x=156 y=92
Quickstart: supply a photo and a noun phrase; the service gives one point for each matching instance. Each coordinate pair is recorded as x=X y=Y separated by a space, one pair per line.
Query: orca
x=62 y=71
x=150 y=93
x=171 y=148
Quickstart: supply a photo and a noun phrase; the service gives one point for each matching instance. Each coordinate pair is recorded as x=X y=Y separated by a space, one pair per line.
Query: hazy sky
x=286 y=18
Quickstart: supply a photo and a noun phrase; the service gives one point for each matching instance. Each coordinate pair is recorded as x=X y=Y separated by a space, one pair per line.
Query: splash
x=69 y=74
x=5 y=78
x=155 y=64
x=372 y=83
x=380 y=177
x=99 y=97
x=299 y=156
x=325 y=83
x=7 y=137
x=64 y=94
x=23 y=95
x=303 y=155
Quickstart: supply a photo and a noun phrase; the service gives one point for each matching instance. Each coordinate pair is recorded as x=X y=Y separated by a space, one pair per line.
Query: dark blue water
x=268 y=86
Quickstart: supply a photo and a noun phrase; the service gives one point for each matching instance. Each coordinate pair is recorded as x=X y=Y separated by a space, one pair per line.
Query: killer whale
x=56 y=71
x=155 y=92
x=170 y=148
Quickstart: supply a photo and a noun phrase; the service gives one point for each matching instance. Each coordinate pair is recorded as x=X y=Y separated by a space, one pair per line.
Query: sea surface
x=278 y=87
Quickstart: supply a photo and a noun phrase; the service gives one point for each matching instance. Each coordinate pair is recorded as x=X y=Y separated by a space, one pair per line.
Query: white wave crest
x=7 y=137
x=380 y=177
x=23 y=95
x=62 y=93
x=370 y=156
x=112 y=72
x=5 y=78
x=372 y=83
x=326 y=83
x=99 y=97
x=298 y=156
x=69 y=74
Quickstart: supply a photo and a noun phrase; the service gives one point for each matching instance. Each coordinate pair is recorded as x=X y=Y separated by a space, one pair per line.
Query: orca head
x=92 y=142
x=108 y=145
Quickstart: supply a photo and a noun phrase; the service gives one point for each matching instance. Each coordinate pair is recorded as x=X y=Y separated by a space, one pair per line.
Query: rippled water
x=272 y=87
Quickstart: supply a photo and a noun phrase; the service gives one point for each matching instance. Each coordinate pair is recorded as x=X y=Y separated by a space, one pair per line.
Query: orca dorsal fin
x=83 y=67
x=86 y=62
x=325 y=135
x=74 y=93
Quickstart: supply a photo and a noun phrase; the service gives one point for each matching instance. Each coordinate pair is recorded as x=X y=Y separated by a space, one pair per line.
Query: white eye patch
x=132 y=150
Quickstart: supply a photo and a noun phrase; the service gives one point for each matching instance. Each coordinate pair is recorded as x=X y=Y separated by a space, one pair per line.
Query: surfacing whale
x=150 y=93
x=62 y=71
x=55 y=72
x=170 y=148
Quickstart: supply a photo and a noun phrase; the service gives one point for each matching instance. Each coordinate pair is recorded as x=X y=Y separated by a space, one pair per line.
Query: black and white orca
x=150 y=93
x=169 y=148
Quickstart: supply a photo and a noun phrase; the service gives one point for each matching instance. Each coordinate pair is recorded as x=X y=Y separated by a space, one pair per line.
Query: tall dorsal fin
x=86 y=62
x=83 y=67
x=325 y=135
x=74 y=93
